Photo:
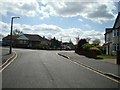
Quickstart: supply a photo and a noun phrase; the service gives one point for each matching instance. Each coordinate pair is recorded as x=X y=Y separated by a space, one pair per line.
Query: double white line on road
x=90 y=68
x=8 y=62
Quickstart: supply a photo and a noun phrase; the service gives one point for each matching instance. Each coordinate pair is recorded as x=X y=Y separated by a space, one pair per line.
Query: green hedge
x=91 y=47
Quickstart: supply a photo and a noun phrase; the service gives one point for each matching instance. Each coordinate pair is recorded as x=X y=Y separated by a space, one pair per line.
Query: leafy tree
x=80 y=43
x=55 y=43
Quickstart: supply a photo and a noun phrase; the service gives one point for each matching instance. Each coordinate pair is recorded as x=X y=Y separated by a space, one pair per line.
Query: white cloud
x=25 y=8
x=87 y=26
x=95 y=11
x=80 y=20
x=51 y=30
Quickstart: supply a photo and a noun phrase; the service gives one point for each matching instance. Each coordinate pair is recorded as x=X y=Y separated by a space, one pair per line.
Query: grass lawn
x=106 y=56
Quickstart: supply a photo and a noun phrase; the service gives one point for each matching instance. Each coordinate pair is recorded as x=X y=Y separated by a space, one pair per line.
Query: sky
x=64 y=20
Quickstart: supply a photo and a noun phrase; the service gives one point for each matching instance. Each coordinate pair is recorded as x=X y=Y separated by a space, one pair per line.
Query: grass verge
x=106 y=56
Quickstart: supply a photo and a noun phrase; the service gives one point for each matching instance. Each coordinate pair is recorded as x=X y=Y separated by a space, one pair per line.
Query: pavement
x=46 y=69
x=107 y=66
x=113 y=61
x=5 y=54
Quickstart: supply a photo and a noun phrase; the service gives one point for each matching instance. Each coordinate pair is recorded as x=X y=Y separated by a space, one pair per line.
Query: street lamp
x=11 y=33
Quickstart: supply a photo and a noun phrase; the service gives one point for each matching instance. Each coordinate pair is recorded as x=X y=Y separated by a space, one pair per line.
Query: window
x=24 y=42
x=116 y=32
x=116 y=47
x=21 y=42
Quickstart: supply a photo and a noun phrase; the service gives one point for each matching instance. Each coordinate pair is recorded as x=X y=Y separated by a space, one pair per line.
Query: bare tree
x=88 y=39
x=1 y=36
x=96 y=42
x=17 y=32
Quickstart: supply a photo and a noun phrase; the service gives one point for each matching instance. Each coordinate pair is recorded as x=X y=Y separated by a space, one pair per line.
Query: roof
x=31 y=37
x=108 y=43
x=117 y=22
x=13 y=37
x=108 y=30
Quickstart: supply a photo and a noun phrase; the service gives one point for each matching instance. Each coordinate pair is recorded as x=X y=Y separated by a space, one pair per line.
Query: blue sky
x=59 y=19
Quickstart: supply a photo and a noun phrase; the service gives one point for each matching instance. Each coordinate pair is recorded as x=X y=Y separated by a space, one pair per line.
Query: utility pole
x=61 y=43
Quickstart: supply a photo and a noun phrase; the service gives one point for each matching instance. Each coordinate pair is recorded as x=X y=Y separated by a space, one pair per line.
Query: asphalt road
x=46 y=69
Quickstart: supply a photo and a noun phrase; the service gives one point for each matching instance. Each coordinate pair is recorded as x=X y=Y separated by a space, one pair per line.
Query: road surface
x=46 y=69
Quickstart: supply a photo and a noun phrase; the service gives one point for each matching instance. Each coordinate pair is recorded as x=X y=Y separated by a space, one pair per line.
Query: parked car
x=5 y=44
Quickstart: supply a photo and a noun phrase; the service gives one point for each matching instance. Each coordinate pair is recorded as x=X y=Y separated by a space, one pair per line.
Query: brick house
x=26 y=40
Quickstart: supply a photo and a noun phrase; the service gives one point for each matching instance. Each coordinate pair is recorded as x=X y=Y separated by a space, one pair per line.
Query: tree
x=55 y=43
x=80 y=43
x=17 y=32
x=96 y=42
x=88 y=39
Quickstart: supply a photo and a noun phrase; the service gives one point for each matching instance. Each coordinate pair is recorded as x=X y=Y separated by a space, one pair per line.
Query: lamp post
x=11 y=33
x=61 y=43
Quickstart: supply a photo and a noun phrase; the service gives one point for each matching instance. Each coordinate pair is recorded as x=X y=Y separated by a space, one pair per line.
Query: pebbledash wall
x=115 y=41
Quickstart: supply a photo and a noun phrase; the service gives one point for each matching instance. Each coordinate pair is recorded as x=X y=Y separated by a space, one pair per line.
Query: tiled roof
x=13 y=37
x=31 y=37
x=117 y=21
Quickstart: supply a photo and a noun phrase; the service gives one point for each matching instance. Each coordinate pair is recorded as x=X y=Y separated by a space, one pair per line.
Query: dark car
x=4 y=44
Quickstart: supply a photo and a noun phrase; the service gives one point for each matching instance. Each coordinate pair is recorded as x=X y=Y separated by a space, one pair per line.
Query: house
x=112 y=38
x=116 y=35
x=26 y=40
x=108 y=41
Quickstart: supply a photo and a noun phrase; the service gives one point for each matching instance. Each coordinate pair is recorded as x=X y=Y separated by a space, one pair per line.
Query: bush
x=98 y=51
x=87 y=47
x=99 y=47
x=42 y=46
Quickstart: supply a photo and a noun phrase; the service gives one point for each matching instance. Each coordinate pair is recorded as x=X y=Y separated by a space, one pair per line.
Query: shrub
x=80 y=43
x=87 y=47
x=98 y=46
x=98 y=51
